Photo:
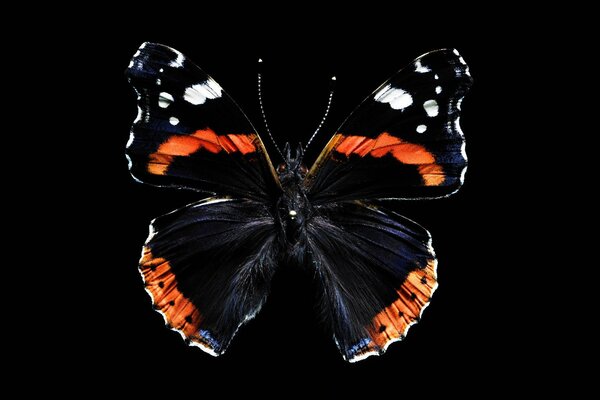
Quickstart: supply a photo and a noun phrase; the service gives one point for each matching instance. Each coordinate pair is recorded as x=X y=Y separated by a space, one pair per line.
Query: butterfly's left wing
x=208 y=268
x=190 y=134
x=403 y=142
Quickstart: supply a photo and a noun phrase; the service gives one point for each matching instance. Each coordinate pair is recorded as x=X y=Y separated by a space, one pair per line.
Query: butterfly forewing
x=190 y=133
x=404 y=141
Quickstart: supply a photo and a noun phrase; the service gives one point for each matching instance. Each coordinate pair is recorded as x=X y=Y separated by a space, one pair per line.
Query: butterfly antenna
x=262 y=111
x=333 y=79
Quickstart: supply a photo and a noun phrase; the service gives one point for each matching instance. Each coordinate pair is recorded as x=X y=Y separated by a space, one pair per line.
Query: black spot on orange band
x=162 y=285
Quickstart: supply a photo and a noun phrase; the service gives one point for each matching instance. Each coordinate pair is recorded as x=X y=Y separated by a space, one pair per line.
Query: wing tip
x=450 y=53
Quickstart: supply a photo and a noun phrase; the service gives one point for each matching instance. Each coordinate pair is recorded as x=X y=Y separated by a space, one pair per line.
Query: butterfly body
x=293 y=207
x=208 y=266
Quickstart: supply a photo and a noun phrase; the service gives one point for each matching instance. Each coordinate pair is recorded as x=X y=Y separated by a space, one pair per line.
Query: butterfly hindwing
x=190 y=133
x=208 y=268
x=404 y=141
x=377 y=273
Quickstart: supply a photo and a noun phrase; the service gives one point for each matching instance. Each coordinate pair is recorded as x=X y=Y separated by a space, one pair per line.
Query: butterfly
x=208 y=266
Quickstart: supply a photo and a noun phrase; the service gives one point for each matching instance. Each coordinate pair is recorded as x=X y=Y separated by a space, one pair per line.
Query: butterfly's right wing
x=377 y=273
x=208 y=268
x=189 y=133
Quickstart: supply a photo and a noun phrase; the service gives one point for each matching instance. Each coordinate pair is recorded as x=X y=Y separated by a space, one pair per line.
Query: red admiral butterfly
x=208 y=266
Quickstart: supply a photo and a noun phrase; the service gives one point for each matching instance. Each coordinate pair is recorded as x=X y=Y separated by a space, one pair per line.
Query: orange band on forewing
x=206 y=139
x=159 y=163
x=160 y=281
x=227 y=144
x=243 y=143
x=354 y=145
x=432 y=174
x=414 y=294
x=406 y=153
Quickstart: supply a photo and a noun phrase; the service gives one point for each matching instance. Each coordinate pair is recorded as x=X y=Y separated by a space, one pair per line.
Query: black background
x=476 y=322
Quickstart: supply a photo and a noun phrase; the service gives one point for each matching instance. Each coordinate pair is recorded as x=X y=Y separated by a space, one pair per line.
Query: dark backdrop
x=473 y=325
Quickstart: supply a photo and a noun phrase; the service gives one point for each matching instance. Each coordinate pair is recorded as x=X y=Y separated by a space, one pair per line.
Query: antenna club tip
x=260 y=60
x=333 y=78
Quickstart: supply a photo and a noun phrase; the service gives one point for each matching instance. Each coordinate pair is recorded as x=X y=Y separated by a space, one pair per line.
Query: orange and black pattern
x=189 y=133
x=198 y=265
x=404 y=141
x=208 y=266
x=379 y=269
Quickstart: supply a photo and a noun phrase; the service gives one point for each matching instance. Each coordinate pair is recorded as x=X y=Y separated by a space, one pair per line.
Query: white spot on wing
x=431 y=108
x=164 y=100
x=137 y=53
x=462 y=60
x=398 y=99
x=199 y=93
x=456 y=52
x=382 y=92
x=158 y=81
x=174 y=121
x=401 y=102
x=421 y=128
x=420 y=68
x=161 y=70
x=130 y=64
x=178 y=61
x=438 y=89
x=436 y=77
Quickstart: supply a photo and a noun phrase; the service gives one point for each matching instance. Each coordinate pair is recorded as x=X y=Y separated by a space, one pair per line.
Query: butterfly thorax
x=292 y=207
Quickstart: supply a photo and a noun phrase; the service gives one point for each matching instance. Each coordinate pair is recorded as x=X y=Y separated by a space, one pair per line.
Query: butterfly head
x=292 y=168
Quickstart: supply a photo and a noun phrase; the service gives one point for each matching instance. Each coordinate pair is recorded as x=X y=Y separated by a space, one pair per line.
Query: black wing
x=377 y=273
x=403 y=141
x=208 y=268
x=190 y=133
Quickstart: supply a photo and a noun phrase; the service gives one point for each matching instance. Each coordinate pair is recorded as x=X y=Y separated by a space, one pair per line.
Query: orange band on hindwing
x=161 y=283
